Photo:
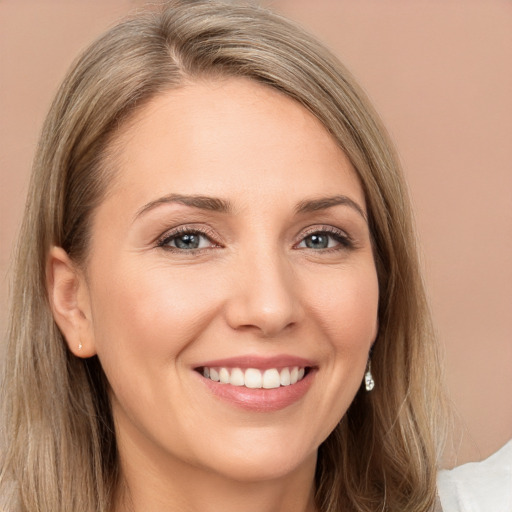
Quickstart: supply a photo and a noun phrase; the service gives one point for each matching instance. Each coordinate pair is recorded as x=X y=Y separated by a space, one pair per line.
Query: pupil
x=189 y=241
x=317 y=241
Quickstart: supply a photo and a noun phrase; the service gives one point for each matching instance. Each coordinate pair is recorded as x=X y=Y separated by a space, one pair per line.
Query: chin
x=264 y=467
x=261 y=455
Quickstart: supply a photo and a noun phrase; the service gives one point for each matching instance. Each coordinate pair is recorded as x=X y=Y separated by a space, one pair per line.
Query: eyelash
x=184 y=230
x=343 y=240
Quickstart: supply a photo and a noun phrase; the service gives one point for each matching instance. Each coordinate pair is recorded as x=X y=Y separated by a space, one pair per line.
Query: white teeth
x=271 y=379
x=237 y=377
x=214 y=375
x=285 y=377
x=254 y=378
x=224 y=375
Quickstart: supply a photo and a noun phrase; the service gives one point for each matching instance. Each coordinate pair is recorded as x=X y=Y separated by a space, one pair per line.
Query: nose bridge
x=265 y=297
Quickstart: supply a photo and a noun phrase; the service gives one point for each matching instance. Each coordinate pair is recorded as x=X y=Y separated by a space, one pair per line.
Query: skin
x=152 y=313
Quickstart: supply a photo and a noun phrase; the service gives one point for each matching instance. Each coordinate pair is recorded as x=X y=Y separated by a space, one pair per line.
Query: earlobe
x=69 y=300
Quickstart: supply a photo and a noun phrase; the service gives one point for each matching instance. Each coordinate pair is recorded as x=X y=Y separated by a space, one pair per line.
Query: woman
x=218 y=303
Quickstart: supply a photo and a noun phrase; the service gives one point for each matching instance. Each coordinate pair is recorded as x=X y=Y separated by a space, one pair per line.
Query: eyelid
x=330 y=230
x=175 y=232
x=324 y=229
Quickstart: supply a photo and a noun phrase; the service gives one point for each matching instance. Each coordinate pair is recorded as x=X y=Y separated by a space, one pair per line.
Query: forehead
x=225 y=136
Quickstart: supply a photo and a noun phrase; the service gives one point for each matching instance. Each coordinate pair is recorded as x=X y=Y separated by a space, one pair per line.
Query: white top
x=479 y=486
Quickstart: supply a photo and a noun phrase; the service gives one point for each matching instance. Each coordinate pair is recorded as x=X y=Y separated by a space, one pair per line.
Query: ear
x=70 y=303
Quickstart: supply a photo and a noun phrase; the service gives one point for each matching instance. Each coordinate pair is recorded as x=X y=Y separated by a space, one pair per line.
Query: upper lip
x=260 y=362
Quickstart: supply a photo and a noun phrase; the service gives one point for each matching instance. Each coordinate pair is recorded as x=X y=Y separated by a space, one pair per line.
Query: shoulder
x=479 y=486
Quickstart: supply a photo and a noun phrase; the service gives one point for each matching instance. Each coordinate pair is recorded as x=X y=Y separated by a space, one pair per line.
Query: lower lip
x=261 y=400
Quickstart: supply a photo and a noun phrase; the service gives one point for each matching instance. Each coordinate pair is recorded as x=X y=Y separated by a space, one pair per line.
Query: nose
x=264 y=296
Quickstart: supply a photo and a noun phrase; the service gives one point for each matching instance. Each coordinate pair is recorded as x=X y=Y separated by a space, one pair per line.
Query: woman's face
x=233 y=245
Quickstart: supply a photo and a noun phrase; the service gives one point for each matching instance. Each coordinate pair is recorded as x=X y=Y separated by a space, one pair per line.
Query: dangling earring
x=369 y=383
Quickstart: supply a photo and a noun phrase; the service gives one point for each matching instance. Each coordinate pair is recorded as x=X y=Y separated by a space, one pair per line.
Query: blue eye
x=317 y=241
x=325 y=240
x=186 y=241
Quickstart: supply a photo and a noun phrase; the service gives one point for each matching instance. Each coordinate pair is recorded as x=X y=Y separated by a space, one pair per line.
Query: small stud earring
x=80 y=346
x=369 y=383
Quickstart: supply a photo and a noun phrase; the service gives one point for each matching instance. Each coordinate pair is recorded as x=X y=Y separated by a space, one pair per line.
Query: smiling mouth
x=254 y=378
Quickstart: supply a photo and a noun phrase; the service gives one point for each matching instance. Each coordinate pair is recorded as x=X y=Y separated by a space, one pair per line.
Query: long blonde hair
x=60 y=447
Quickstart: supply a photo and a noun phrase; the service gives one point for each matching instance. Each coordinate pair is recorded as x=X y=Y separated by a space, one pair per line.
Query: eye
x=325 y=239
x=186 y=240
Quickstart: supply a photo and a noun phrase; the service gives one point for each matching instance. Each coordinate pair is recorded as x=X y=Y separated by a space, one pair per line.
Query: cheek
x=143 y=326
x=347 y=309
x=146 y=316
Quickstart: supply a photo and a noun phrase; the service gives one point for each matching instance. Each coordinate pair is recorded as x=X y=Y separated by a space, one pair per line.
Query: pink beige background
x=439 y=72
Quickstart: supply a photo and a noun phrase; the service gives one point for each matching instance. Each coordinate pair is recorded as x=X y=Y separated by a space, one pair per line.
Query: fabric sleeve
x=479 y=486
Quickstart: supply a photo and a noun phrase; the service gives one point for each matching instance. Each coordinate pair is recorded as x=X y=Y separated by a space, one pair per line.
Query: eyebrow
x=324 y=203
x=202 y=202
x=222 y=206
